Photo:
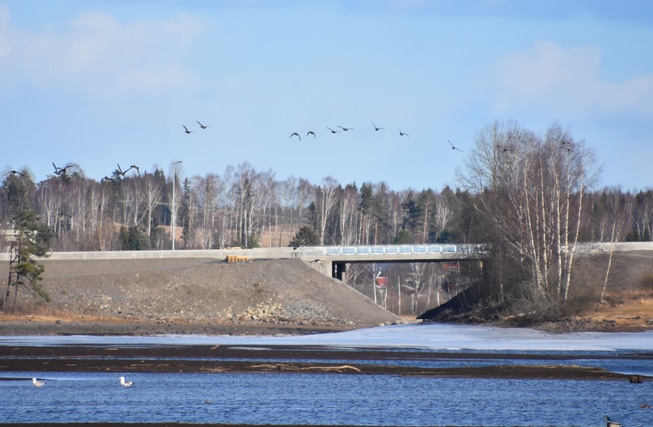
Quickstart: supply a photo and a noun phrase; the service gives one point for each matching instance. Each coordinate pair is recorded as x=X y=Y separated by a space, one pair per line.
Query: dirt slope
x=281 y=292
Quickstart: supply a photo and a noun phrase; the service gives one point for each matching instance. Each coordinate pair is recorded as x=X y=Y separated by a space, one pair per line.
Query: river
x=336 y=399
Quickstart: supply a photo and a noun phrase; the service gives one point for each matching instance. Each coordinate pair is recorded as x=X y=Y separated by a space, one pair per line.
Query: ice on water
x=420 y=336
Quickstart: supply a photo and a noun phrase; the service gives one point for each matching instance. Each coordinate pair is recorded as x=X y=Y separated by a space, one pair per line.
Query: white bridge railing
x=394 y=250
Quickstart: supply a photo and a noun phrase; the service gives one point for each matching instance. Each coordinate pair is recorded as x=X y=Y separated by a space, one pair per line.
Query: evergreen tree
x=30 y=238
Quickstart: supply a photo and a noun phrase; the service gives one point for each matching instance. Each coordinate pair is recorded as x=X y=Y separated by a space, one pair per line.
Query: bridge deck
x=391 y=253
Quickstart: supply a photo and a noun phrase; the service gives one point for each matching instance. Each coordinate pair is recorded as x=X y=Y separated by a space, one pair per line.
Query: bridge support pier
x=339 y=270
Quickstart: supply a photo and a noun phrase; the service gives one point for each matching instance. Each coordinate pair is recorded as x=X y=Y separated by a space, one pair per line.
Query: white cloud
x=551 y=78
x=95 y=54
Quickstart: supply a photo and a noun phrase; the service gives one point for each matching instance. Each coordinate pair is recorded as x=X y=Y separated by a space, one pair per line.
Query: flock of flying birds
x=347 y=129
x=188 y=132
x=332 y=131
x=61 y=171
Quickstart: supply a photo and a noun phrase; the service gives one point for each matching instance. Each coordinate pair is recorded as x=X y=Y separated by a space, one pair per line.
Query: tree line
x=532 y=196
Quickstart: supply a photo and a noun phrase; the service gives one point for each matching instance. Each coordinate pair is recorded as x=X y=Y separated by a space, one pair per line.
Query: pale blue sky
x=101 y=82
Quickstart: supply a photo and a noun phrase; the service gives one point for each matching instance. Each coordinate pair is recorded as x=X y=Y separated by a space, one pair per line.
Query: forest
x=532 y=197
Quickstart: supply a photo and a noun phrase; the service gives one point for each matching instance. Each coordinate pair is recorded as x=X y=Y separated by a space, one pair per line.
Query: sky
x=102 y=83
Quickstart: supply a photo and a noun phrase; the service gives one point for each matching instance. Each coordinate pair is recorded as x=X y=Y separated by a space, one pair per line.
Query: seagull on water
x=37 y=383
x=125 y=383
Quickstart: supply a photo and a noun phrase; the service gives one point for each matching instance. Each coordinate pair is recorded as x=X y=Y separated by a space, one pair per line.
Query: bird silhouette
x=612 y=423
x=60 y=171
x=203 y=126
x=566 y=146
x=15 y=173
x=504 y=149
x=186 y=130
x=376 y=128
x=453 y=147
x=138 y=170
x=310 y=132
x=125 y=383
x=345 y=129
x=402 y=133
x=295 y=134
x=106 y=178
x=332 y=131
x=37 y=383
x=317 y=261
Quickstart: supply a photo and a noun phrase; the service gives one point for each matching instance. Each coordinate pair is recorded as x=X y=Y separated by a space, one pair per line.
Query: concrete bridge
x=331 y=260
x=334 y=259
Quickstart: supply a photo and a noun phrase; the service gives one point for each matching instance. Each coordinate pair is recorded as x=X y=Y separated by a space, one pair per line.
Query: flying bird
x=186 y=129
x=310 y=132
x=376 y=128
x=106 y=178
x=138 y=170
x=295 y=134
x=202 y=126
x=125 y=383
x=37 y=383
x=60 y=171
x=345 y=129
x=402 y=133
x=15 y=173
x=124 y=172
x=453 y=147
x=332 y=131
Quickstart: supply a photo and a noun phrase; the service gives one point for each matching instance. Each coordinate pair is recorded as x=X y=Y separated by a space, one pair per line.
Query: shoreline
x=54 y=327
x=28 y=325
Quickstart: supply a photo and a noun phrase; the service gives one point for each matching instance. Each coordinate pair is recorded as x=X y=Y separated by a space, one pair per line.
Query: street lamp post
x=174 y=201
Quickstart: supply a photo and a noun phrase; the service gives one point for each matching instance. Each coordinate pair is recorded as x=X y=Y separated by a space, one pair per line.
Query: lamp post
x=174 y=204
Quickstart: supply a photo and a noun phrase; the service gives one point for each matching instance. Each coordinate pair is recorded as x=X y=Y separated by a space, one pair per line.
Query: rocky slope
x=203 y=291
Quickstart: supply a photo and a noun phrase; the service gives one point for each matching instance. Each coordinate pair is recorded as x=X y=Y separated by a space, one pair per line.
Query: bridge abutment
x=339 y=271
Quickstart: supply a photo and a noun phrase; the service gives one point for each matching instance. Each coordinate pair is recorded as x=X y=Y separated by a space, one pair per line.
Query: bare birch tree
x=530 y=191
x=326 y=199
